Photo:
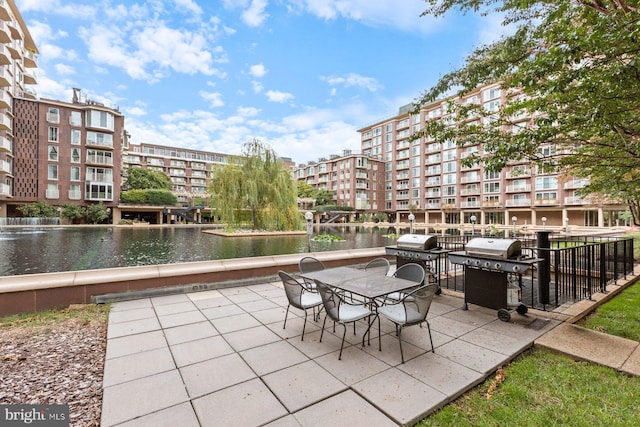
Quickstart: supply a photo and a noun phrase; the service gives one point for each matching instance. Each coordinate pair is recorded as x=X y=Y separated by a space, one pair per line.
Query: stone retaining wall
x=36 y=292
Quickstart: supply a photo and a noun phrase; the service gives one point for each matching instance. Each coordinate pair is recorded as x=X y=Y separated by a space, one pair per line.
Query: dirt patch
x=58 y=361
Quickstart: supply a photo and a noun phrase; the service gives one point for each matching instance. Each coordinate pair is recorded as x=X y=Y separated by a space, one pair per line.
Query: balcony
x=448 y=206
x=518 y=203
x=5 y=122
x=519 y=173
x=470 y=168
x=5 y=99
x=30 y=59
x=30 y=78
x=518 y=188
x=546 y=202
x=433 y=194
x=491 y=204
x=102 y=144
x=5 y=144
x=99 y=178
x=5 y=15
x=15 y=50
x=52 y=193
x=576 y=201
x=470 y=179
x=5 y=190
x=433 y=206
x=99 y=160
x=574 y=184
x=470 y=192
x=5 y=55
x=5 y=167
x=75 y=195
x=475 y=204
x=5 y=36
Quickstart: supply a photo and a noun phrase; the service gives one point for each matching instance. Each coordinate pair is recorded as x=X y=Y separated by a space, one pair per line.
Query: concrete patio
x=221 y=357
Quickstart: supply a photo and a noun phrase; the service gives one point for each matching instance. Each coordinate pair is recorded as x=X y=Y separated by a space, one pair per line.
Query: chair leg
x=304 y=325
x=344 y=333
x=430 y=339
x=379 y=339
x=400 y=341
x=285 y=317
x=323 y=323
x=368 y=331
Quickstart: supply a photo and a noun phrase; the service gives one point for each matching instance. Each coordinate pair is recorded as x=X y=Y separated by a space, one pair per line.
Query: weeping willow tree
x=256 y=183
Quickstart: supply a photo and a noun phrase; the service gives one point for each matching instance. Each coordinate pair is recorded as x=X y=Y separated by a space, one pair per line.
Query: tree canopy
x=572 y=70
x=255 y=182
x=146 y=179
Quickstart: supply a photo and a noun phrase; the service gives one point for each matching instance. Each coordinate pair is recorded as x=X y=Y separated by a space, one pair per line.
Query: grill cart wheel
x=522 y=309
x=504 y=315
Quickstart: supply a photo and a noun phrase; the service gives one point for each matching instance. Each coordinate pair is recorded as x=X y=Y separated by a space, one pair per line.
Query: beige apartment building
x=18 y=59
x=356 y=180
x=427 y=176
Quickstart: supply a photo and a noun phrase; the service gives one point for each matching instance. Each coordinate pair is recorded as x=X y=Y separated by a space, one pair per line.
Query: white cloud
x=248 y=111
x=57 y=7
x=354 y=79
x=188 y=5
x=257 y=70
x=255 y=15
x=135 y=111
x=257 y=86
x=63 y=69
x=214 y=98
x=277 y=96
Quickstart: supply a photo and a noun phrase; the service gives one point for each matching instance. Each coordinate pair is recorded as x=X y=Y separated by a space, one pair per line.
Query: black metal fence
x=577 y=267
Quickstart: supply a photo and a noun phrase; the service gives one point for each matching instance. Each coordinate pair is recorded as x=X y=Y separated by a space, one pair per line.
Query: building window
x=95 y=191
x=75 y=136
x=100 y=139
x=53 y=172
x=75 y=173
x=52 y=191
x=492 y=175
x=546 y=183
x=53 y=115
x=491 y=187
x=75 y=155
x=53 y=134
x=75 y=192
x=75 y=119
x=99 y=119
x=53 y=153
x=547 y=195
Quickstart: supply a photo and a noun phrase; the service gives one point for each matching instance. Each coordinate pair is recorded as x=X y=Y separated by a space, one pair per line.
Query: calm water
x=29 y=250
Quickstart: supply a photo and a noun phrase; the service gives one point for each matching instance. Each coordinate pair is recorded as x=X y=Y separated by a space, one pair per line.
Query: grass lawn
x=542 y=388
x=620 y=316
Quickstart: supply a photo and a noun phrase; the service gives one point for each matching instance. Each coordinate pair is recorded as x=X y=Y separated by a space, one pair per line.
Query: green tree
x=40 y=209
x=256 y=182
x=73 y=212
x=145 y=179
x=97 y=213
x=571 y=68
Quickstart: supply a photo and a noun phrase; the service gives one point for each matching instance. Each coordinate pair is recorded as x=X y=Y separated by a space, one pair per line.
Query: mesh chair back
x=411 y=271
x=330 y=300
x=380 y=265
x=418 y=302
x=309 y=264
x=292 y=288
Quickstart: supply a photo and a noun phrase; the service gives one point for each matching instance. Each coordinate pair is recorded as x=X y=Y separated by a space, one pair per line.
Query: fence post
x=544 y=276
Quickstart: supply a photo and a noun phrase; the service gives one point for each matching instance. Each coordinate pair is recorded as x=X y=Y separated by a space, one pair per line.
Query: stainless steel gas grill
x=421 y=249
x=493 y=274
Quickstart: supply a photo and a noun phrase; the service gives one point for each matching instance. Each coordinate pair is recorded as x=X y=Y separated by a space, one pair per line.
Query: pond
x=42 y=249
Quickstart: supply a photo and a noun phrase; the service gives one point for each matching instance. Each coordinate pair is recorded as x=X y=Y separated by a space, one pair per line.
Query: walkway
x=221 y=357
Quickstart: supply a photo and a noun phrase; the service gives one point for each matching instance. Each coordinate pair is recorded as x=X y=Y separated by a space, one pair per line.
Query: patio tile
x=271 y=293
x=190 y=332
x=137 y=365
x=252 y=337
x=445 y=375
x=215 y=374
x=271 y=315
x=205 y=295
x=265 y=287
x=355 y=365
x=390 y=353
x=288 y=421
x=236 y=290
x=169 y=299
x=180 y=415
x=178 y=319
x=126 y=401
x=179 y=307
x=222 y=311
x=496 y=341
x=439 y=308
x=478 y=358
x=246 y=404
x=133 y=327
x=234 y=323
x=400 y=396
x=272 y=357
x=420 y=337
x=213 y=302
x=131 y=304
x=450 y=327
x=244 y=297
x=282 y=301
x=257 y=305
x=521 y=329
x=133 y=314
x=200 y=350
x=130 y=344
x=312 y=347
x=302 y=385
x=475 y=316
x=344 y=409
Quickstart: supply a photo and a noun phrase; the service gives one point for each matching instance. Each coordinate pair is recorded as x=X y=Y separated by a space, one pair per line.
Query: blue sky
x=301 y=75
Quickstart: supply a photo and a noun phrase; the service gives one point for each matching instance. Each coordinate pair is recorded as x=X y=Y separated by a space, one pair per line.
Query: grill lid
x=495 y=248
x=417 y=242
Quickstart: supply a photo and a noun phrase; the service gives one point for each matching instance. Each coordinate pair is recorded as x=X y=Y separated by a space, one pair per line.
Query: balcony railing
x=546 y=202
x=100 y=160
x=100 y=178
x=576 y=201
x=5 y=190
x=5 y=144
x=518 y=202
x=5 y=167
x=75 y=195
x=518 y=188
x=475 y=204
x=52 y=194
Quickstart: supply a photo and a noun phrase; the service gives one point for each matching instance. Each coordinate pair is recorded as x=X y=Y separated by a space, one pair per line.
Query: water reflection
x=28 y=251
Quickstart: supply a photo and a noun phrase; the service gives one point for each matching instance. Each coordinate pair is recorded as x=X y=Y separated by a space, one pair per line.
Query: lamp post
x=472 y=218
x=514 y=219
x=544 y=222
x=411 y=218
x=309 y=217
x=566 y=225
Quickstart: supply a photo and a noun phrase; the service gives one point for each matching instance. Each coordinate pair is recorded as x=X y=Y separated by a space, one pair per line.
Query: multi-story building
x=18 y=59
x=356 y=180
x=427 y=176
x=66 y=152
